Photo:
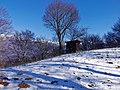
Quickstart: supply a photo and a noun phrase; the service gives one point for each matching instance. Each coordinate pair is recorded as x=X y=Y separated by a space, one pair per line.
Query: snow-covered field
x=90 y=70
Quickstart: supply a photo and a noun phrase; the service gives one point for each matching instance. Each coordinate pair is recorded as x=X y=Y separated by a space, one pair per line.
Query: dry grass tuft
x=4 y=83
x=23 y=85
x=118 y=67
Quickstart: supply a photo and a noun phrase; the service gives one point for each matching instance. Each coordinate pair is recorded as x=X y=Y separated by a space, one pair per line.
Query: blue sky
x=97 y=15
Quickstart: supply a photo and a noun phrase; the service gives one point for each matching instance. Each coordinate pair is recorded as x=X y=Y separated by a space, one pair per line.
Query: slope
x=89 y=70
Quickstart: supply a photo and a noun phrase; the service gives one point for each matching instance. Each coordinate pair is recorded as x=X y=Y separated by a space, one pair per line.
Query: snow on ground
x=89 y=70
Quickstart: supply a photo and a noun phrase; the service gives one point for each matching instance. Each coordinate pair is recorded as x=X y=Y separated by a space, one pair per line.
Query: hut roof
x=72 y=41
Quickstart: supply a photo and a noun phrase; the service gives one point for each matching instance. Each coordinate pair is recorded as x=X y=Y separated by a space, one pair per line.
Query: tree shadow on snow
x=87 y=69
x=60 y=82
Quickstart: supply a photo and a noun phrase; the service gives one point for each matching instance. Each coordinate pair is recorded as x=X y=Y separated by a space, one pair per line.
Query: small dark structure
x=72 y=46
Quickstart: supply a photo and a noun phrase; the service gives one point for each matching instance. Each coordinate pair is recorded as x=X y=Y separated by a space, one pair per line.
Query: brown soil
x=4 y=83
x=23 y=85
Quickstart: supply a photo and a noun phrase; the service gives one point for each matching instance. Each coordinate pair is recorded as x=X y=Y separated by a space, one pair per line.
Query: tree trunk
x=60 y=47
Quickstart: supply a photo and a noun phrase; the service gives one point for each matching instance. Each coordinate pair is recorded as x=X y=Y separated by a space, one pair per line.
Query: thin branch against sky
x=98 y=15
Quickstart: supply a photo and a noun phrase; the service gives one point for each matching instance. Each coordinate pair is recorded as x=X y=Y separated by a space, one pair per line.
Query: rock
x=78 y=67
x=73 y=72
x=87 y=76
x=54 y=82
x=108 y=85
x=65 y=80
x=28 y=78
x=5 y=78
x=16 y=78
x=90 y=85
x=20 y=73
x=78 y=78
x=76 y=62
x=46 y=73
x=110 y=62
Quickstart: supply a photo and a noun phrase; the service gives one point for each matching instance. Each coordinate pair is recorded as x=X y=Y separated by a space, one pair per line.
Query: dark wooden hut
x=72 y=46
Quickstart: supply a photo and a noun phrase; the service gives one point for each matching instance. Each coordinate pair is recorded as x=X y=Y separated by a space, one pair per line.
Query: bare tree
x=116 y=26
x=23 y=46
x=116 y=31
x=5 y=27
x=5 y=23
x=112 y=39
x=92 y=41
x=76 y=33
x=59 y=17
x=44 y=48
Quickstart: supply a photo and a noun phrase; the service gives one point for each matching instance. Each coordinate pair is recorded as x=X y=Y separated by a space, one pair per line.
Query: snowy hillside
x=96 y=70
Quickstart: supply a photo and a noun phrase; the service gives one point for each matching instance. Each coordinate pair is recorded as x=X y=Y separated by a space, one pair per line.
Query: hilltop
x=96 y=69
